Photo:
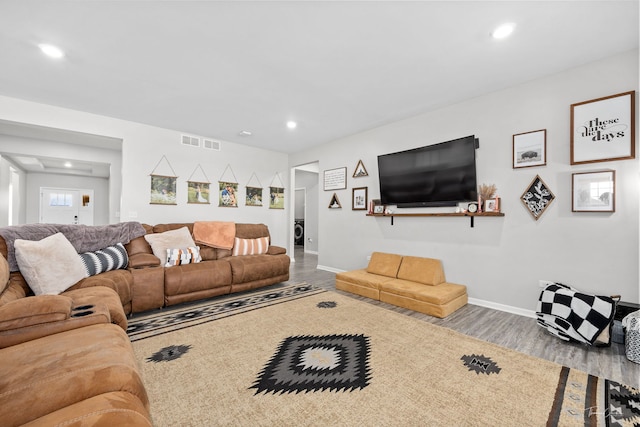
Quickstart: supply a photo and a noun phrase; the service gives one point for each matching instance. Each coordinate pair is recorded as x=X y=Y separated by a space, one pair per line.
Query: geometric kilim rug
x=172 y=319
x=318 y=358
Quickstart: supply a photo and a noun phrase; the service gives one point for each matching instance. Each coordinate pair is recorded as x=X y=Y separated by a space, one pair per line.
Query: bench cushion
x=427 y=271
x=440 y=294
x=384 y=264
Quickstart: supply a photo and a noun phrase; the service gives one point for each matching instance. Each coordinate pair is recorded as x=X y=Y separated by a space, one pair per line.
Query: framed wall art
x=163 y=190
x=537 y=197
x=530 y=149
x=198 y=192
x=359 y=199
x=335 y=179
x=593 y=191
x=603 y=129
x=334 y=203
x=276 y=198
x=228 y=194
x=360 y=170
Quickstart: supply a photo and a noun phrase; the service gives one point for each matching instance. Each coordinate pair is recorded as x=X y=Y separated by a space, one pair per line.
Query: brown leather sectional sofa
x=67 y=359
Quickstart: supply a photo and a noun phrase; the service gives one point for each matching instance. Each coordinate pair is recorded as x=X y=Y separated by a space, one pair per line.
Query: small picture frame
x=359 y=199
x=492 y=205
x=334 y=203
x=603 y=129
x=530 y=149
x=593 y=191
x=378 y=209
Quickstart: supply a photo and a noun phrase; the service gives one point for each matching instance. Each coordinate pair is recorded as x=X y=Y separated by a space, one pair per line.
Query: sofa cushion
x=384 y=264
x=250 y=246
x=363 y=278
x=422 y=270
x=110 y=258
x=180 y=256
x=160 y=242
x=50 y=265
x=437 y=295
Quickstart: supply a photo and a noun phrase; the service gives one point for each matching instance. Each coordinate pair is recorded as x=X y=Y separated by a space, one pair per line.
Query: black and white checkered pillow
x=110 y=258
x=573 y=315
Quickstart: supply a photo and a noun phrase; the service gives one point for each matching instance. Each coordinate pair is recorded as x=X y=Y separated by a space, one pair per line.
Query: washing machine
x=298 y=232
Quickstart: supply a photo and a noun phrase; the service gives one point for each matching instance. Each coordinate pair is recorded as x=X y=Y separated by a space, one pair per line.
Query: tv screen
x=436 y=175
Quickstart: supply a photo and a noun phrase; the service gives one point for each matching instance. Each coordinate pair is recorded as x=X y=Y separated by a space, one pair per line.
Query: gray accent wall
x=502 y=259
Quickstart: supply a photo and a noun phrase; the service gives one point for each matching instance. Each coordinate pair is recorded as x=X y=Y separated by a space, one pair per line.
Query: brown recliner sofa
x=146 y=285
x=66 y=360
x=219 y=272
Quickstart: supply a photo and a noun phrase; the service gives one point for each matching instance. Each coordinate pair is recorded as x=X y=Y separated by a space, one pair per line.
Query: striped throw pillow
x=189 y=255
x=110 y=258
x=250 y=246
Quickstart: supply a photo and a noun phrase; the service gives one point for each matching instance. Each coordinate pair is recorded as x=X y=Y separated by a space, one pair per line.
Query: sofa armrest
x=276 y=250
x=34 y=311
x=143 y=260
x=35 y=317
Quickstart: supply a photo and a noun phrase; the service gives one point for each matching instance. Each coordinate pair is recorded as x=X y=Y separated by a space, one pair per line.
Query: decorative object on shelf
x=485 y=192
x=603 y=129
x=492 y=205
x=593 y=191
x=372 y=206
x=276 y=193
x=253 y=194
x=334 y=203
x=198 y=191
x=360 y=170
x=228 y=190
x=359 y=199
x=472 y=207
x=537 y=197
x=530 y=149
x=335 y=179
x=163 y=187
x=378 y=209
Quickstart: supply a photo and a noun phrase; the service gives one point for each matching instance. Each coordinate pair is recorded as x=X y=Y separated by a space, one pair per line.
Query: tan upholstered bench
x=415 y=283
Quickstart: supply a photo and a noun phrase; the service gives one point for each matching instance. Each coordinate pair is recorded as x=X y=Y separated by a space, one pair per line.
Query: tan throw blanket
x=217 y=234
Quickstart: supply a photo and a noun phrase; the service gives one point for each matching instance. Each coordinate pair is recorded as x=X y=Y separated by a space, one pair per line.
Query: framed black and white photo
x=593 y=191
x=335 y=179
x=530 y=149
x=537 y=197
x=359 y=199
x=603 y=129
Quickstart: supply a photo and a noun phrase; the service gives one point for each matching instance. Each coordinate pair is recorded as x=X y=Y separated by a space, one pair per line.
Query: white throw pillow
x=51 y=265
x=160 y=242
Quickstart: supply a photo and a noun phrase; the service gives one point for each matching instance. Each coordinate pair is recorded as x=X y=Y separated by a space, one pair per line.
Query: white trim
x=331 y=269
x=503 y=307
x=311 y=252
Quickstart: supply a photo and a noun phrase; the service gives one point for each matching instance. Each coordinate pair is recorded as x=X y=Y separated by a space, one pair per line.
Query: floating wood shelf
x=461 y=214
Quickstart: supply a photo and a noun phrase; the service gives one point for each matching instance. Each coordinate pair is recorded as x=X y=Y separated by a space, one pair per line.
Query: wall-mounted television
x=441 y=174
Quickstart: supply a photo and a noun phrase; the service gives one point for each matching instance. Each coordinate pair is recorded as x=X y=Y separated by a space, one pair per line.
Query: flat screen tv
x=441 y=174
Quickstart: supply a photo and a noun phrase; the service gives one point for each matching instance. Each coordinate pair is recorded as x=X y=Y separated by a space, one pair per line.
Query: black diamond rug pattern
x=480 y=364
x=169 y=353
x=316 y=363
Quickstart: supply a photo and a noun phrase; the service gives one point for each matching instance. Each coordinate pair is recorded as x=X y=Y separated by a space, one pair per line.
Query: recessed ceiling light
x=503 y=31
x=291 y=124
x=245 y=133
x=51 y=51
x=67 y=164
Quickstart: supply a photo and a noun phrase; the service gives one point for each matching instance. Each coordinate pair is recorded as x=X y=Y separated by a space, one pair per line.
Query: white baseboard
x=503 y=307
x=311 y=252
x=331 y=269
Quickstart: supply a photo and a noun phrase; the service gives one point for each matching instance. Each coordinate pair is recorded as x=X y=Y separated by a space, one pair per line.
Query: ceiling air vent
x=190 y=140
x=211 y=144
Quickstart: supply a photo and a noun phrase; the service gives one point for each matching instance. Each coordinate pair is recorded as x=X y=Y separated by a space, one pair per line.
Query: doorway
x=66 y=206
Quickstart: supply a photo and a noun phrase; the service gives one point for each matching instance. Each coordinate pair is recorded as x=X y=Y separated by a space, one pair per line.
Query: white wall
x=500 y=259
x=142 y=148
x=19 y=194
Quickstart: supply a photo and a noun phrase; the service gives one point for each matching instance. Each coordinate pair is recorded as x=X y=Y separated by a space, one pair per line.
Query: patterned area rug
x=326 y=359
x=179 y=317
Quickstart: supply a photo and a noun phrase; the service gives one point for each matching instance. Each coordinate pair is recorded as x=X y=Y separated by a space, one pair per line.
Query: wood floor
x=505 y=329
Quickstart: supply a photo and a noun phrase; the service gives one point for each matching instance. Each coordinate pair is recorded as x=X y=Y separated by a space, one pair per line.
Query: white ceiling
x=214 y=68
